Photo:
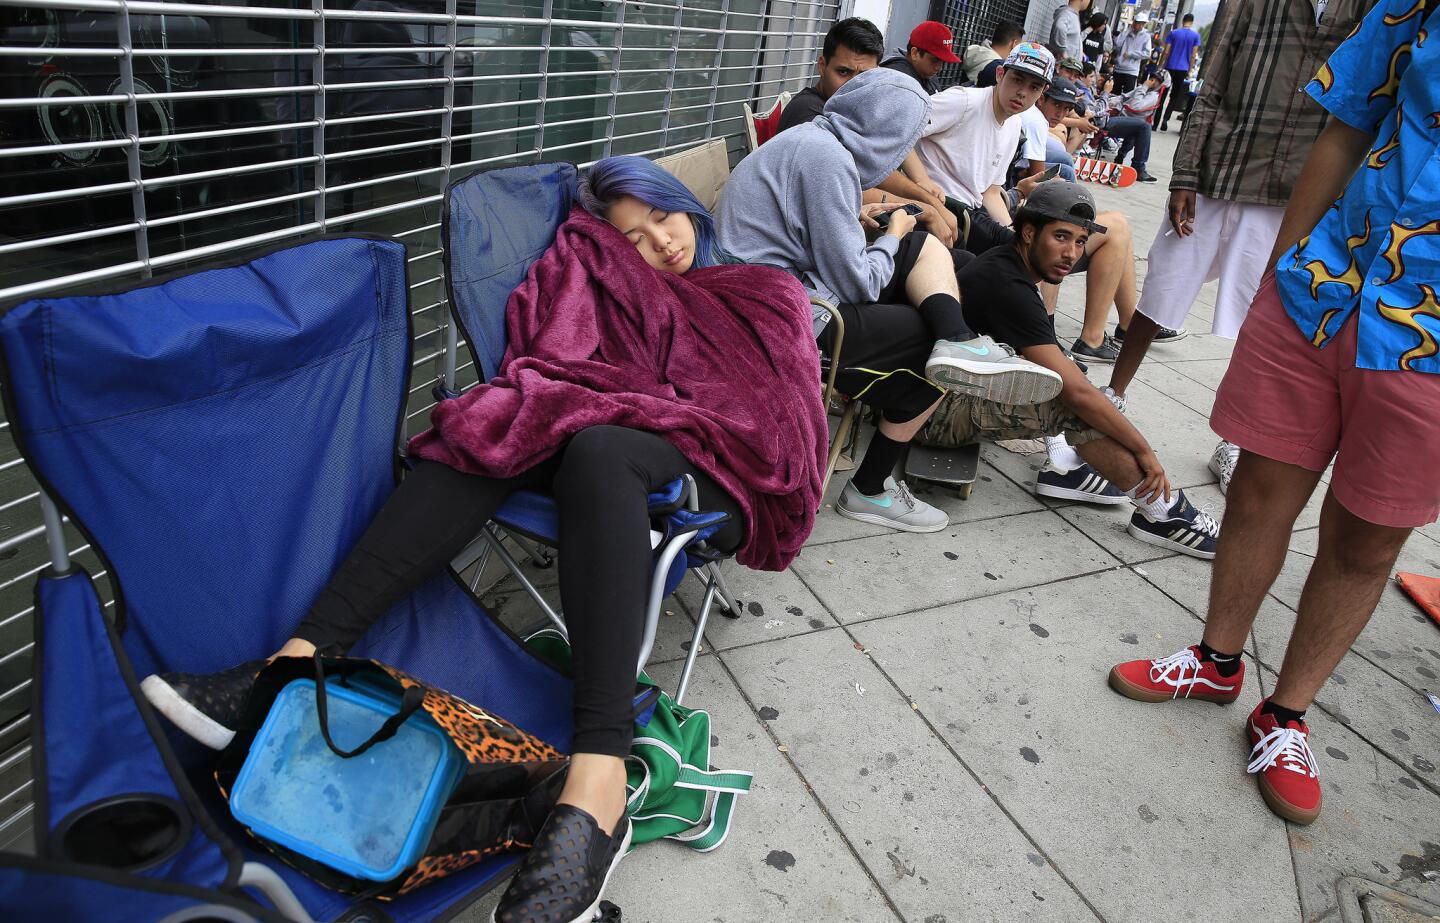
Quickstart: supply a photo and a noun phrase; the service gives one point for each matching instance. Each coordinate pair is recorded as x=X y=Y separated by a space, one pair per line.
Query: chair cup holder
x=125 y=832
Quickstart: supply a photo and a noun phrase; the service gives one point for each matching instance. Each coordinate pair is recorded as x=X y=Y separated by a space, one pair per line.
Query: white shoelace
x=903 y=494
x=1182 y=663
x=1206 y=522
x=1286 y=746
x=1226 y=456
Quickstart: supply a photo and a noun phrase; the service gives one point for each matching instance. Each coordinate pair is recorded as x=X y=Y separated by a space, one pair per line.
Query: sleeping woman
x=637 y=355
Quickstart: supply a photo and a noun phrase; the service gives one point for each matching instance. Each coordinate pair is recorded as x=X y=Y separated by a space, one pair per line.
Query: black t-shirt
x=1000 y=299
x=803 y=107
x=903 y=65
x=986 y=77
x=1093 y=45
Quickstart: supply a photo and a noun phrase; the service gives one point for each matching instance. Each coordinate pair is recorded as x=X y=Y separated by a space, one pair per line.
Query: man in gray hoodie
x=796 y=203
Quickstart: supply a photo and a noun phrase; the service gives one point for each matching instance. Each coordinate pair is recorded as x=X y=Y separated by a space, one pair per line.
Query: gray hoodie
x=795 y=202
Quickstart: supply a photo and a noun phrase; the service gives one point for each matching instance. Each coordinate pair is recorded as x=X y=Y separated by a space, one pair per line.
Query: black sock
x=945 y=319
x=875 y=467
x=1225 y=664
x=1283 y=715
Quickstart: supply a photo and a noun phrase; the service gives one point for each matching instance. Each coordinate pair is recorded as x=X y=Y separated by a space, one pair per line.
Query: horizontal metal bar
x=10 y=691
x=22 y=787
x=11 y=655
x=17 y=540
x=21 y=752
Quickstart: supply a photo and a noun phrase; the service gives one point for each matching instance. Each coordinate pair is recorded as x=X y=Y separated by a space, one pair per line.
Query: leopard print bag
x=509 y=786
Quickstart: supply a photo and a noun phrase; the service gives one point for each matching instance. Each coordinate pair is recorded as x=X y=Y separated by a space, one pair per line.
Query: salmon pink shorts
x=1284 y=399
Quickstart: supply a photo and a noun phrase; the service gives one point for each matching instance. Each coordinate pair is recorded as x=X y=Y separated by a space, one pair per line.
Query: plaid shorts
x=960 y=420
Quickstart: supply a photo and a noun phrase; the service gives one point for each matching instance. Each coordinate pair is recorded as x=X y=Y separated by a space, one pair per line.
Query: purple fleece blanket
x=720 y=361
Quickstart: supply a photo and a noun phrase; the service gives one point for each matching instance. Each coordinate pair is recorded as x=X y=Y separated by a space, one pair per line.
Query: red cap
x=936 y=38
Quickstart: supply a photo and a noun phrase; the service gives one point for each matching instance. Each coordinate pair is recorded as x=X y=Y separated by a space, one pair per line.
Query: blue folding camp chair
x=221 y=438
x=496 y=224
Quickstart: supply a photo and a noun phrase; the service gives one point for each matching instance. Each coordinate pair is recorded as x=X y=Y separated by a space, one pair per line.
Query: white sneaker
x=1222 y=463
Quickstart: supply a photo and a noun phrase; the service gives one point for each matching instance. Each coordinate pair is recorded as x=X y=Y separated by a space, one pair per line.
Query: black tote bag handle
x=410 y=703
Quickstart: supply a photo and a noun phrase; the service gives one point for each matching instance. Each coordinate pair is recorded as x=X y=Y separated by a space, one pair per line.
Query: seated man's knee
x=1117 y=228
x=934 y=253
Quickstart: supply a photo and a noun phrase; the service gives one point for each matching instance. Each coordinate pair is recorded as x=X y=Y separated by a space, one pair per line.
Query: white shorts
x=1232 y=242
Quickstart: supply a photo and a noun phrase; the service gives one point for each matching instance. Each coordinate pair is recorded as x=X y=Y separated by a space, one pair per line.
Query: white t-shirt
x=1034 y=128
x=964 y=149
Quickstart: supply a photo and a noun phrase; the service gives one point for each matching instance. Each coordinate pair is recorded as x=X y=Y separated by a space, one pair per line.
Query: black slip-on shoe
x=563 y=877
x=207 y=706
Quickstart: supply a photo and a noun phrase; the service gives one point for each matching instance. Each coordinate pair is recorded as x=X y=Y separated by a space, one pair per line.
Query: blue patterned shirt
x=1377 y=250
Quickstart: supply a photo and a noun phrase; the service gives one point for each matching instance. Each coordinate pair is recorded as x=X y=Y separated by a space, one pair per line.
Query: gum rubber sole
x=1140 y=694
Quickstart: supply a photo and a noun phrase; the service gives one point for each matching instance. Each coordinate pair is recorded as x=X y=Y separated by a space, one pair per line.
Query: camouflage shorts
x=960 y=420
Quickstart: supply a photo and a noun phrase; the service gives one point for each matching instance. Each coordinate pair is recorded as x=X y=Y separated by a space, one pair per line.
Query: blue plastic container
x=369 y=816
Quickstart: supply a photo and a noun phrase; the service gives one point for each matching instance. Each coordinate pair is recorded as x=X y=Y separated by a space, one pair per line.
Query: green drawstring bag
x=673 y=793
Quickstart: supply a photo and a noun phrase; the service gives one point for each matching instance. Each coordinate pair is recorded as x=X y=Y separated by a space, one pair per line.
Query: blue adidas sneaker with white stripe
x=1184 y=528
x=1081 y=484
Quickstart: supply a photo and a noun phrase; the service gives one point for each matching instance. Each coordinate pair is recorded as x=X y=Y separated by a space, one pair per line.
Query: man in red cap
x=929 y=50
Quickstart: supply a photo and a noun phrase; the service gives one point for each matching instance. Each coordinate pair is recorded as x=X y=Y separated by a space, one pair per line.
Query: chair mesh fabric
x=497 y=223
x=82 y=769
x=224 y=437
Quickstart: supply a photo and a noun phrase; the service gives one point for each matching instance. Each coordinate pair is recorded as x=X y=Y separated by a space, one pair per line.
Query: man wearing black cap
x=930 y=48
x=1000 y=297
x=1062 y=107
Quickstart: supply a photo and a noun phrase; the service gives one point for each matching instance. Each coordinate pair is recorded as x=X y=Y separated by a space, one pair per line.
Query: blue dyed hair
x=634 y=176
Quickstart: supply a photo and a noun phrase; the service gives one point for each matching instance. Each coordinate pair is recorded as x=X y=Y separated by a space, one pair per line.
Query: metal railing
x=140 y=136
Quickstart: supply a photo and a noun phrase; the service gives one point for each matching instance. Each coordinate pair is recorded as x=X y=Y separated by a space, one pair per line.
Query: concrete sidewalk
x=933 y=740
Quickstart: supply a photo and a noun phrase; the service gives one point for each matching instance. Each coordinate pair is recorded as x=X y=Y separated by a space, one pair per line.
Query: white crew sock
x=1063 y=458
x=1155 y=509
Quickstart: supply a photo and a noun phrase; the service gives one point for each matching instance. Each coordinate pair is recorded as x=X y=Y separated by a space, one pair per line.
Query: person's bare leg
x=1139 y=334
x=1111 y=461
x=295 y=647
x=1110 y=278
x=904 y=432
x=932 y=274
x=1265 y=497
x=1351 y=568
x=596 y=785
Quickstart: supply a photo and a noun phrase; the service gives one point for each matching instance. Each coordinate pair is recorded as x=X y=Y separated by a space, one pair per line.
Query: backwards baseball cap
x=1063 y=200
x=1063 y=90
x=936 y=38
x=1032 y=59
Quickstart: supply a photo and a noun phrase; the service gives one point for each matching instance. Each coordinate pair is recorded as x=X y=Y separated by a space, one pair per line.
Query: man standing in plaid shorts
x=1338 y=358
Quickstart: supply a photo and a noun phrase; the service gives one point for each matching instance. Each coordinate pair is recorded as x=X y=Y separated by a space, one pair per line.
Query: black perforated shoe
x=207 y=706
x=565 y=873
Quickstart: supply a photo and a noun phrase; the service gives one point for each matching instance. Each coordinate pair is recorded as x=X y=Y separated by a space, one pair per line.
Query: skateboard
x=954 y=468
x=1103 y=171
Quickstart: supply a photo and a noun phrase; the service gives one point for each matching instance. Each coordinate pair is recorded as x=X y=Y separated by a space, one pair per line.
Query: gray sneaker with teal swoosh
x=896 y=507
x=991 y=371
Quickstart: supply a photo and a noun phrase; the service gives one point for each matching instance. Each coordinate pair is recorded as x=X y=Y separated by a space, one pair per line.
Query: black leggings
x=600 y=481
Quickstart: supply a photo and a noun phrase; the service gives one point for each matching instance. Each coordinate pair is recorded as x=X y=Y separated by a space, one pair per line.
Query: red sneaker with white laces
x=1179 y=676
x=1284 y=767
